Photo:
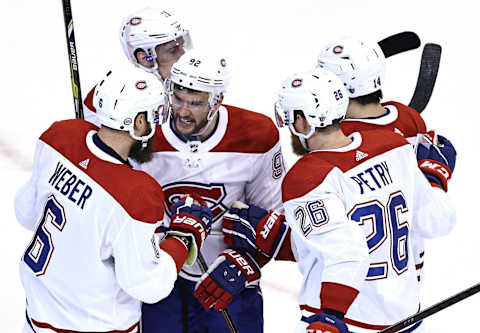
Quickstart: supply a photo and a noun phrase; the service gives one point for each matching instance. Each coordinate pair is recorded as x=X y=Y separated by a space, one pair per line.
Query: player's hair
x=372 y=98
x=334 y=126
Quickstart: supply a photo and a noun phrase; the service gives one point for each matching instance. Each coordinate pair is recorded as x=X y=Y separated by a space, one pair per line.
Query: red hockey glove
x=190 y=223
x=251 y=228
x=325 y=323
x=436 y=159
x=228 y=275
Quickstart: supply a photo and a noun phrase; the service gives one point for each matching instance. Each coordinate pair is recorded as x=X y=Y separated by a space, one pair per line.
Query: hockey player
x=223 y=154
x=152 y=39
x=369 y=178
x=360 y=64
x=93 y=257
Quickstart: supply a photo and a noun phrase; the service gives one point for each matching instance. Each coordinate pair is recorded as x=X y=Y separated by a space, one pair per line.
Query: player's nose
x=183 y=111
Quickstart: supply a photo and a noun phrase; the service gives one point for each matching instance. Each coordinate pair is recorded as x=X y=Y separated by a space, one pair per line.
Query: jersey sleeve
x=143 y=270
x=434 y=214
x=320 y=227
x=26 y=197
x=265 y=187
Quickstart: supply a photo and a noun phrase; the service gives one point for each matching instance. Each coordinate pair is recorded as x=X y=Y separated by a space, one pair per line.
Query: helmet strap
x=303 y=137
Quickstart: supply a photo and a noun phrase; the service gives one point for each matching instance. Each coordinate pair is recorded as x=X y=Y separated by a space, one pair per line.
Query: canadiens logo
x=338 y=49
x=213 y=194
x=223 y=63
x=135 y=20
x=127 y=121
x=140 y=85
x=297 y=83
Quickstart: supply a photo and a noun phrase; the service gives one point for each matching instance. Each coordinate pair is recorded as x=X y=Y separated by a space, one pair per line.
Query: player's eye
x=197 y=103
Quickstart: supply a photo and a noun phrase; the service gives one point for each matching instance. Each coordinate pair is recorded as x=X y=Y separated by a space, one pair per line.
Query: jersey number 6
x=39 y=251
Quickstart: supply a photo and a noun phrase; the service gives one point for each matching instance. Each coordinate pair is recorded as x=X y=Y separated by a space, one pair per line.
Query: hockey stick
x=432 y=309
x=427 y=76
x=72 y=58
x=398 y=43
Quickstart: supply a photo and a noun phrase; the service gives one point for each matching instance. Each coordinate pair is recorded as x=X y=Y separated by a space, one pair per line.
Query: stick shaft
x=432 y=309
x=72 y=58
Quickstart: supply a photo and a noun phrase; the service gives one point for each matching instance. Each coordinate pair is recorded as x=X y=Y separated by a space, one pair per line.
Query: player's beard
x=140 y=154
x=297 y=146
x=198 y=128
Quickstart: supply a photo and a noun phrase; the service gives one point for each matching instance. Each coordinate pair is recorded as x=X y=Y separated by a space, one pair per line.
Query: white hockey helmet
x=200 y=71
x=148 y=28
x=120 y=96
x=358 y=63
x=319 y=94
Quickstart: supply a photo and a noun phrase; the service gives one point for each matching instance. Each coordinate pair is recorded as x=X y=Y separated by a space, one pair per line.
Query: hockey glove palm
x=436 y=160
x=323 y=323
x=250 y=228
x=191 y=223
x=226 y=277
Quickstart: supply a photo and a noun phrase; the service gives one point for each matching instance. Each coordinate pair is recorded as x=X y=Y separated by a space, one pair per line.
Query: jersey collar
x=98 y=148
x=386 y=119
x=356 y=142
x=192 y=145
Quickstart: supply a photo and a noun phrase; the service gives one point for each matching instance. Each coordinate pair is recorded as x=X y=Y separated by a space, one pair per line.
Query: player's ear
x=300 y=123
x=140 y=122
x=141 y=57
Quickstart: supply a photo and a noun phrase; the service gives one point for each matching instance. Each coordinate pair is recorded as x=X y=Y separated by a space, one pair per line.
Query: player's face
x=168 y=54
x=189 y=110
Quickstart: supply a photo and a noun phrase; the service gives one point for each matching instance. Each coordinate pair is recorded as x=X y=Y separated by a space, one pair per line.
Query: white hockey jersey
x=373 y=185
x=91 y=259
x=241 y=160
x=407 y=122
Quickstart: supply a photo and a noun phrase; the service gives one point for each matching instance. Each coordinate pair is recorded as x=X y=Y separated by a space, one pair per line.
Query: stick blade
x=398 y=43
x=427 y=76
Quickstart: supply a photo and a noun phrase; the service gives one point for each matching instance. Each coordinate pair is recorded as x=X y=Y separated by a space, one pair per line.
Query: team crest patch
x=127 y=121
x=223 y=63
x=135 y=20
x=140 y=85
x=338 y=49
x=213 y=194
x=297 y=83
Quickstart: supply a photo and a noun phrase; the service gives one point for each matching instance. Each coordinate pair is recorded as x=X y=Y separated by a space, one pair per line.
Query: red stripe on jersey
x=177 y=250
x=337 y=296
x=310 y=171
x=89 y=100
x=160 y=143
x=349 y=321
x=59 y=330
x=346 y=320
x=409 y=122
x=138 y=193
x=247 y=132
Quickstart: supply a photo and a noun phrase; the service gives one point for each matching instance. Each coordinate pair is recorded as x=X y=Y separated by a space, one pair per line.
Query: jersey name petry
x=367 y=179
